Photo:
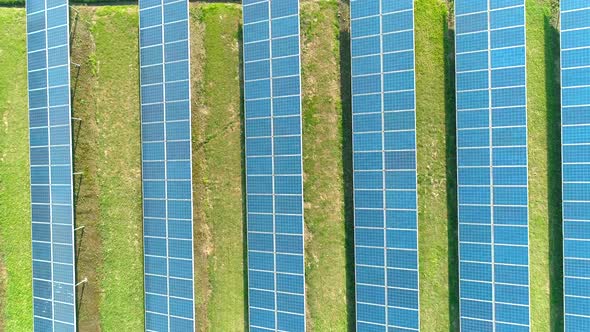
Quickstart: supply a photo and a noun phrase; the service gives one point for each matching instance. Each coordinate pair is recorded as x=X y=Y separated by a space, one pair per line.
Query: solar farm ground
x=108 y=152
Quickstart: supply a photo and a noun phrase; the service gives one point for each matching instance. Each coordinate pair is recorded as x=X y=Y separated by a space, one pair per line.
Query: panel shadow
x=552 y=88
x=347 y=167
x=451 y=172
x=243 y=184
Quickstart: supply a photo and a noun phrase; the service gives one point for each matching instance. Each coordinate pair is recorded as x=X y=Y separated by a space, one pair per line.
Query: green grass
x=325 y=266
x=219 y=150
x=544 y=173
x=435 y=180
x=119 y=168
x=15 y=226
x=108 y=153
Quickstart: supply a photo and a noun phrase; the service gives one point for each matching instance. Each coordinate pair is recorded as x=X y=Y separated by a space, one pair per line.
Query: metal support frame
x=83 y=281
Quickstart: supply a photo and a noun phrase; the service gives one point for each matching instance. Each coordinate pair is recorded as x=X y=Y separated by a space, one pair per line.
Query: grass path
x=119 y=168
x=323 y=171
x=201 y=230
x=108 y=152
x=89 y=247
x=544 y=173
x=435 y=164
x=217 y=149
x=15 y=225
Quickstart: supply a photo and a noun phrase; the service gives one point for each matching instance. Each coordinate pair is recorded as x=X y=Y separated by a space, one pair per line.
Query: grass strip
x=544 y=165
x=15 y=218
x=116 y=65
x=326 y=268
x=436 y=186
x=219 y=149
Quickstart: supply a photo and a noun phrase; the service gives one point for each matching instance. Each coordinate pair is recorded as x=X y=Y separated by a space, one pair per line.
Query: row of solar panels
x=492 y=165
x=54 y=293
x=575 y=139
x=384 y=165
x=274 y=175
x=491 y=149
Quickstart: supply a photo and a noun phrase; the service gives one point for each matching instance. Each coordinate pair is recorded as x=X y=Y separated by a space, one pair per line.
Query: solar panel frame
x=576 y=277
x=282 y=165
x=367 y=10
x=471 y=322
x=176 y=167
x=40 y=120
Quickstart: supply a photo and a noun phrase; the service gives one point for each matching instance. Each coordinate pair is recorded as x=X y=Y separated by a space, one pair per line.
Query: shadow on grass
x=80 y=298
x=345 y=98
x=554 y=174
x=97 y=3
x=74 y=29
x=244 y=203
x=451 y=173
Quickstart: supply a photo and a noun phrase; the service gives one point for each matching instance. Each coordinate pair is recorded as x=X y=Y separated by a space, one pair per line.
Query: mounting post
x=85 y=280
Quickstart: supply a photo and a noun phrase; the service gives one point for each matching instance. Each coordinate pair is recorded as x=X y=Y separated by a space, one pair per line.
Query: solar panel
x=167 y=168
x=50 y=137
x=384 y=158
x=274 y=178
x=575 y=131
x=492 y=165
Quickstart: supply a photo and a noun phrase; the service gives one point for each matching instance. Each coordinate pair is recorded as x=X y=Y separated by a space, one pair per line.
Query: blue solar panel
x=384 y=152
x=575 y=135
x=167 y=170
x=54 y=306
x=272 y=92
x=492 y=165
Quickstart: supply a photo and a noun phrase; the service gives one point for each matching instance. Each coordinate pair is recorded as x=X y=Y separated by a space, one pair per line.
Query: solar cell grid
x=167 y=170
x=384 y=153
x=54 y=296
x=575 y=134
x=492 y=165
x=276 y=280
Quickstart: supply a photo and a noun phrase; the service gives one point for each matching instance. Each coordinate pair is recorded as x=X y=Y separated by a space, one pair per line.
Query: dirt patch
x=87 y=191
x=203 y=244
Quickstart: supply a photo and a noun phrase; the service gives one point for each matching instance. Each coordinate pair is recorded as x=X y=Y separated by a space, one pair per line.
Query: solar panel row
x=384 y=152
x=50 y=138
x=492 y=165
x=272 y=93
x=167 y=168
x=575 y=101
